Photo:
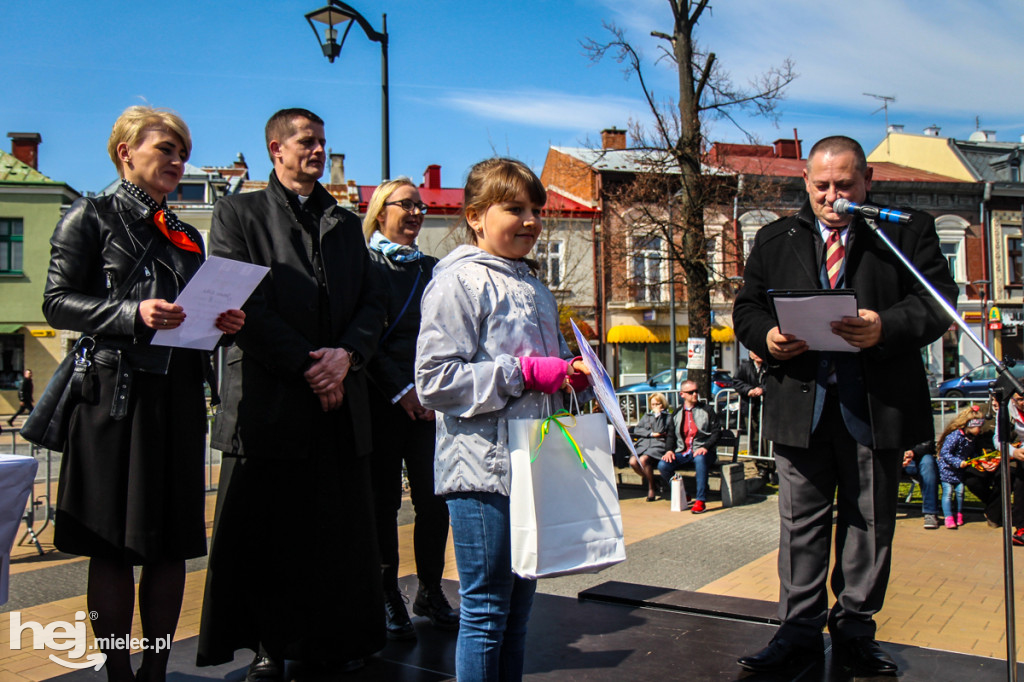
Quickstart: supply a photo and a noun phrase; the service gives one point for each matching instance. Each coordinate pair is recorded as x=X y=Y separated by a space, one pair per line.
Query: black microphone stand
x=1003 y=389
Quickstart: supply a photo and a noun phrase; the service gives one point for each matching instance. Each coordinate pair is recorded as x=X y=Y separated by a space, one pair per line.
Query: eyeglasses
x=687 y=392
x=408 y=205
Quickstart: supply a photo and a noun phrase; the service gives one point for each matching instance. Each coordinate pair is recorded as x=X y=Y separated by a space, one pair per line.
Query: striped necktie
x=834 y=257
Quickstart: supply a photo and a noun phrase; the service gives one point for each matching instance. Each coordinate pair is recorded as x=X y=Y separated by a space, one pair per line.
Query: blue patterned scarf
x=397 y=253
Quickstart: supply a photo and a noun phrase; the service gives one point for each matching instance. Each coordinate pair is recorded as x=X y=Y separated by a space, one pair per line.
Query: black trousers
x=986 y=486
x=835 y=471
x=397 y=439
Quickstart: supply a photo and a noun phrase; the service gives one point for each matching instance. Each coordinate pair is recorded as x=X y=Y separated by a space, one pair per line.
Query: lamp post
x=336 y=14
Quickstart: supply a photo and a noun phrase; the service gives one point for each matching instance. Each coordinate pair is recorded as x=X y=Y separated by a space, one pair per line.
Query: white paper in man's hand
x=220 y=284
x=809 y=318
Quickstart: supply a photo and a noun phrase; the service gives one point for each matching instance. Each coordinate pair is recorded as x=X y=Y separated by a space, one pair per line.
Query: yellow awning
x=722 y=334
x=630 y=333
x=682 y=333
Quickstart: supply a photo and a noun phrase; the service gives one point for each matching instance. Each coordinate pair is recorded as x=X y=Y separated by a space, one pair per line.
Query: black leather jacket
x=106 y=256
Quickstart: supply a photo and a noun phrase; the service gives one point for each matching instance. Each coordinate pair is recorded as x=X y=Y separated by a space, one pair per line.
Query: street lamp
x=337 y=14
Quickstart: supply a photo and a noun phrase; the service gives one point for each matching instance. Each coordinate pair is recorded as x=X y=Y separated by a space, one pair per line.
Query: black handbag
x=47 y=424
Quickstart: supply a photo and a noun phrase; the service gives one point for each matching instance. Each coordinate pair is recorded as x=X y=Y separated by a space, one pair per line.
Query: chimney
x=787 y=149
x=990 y=135
x=932 y=130
x=337 y=168
x=895 y=128
x=432 y=177
x=613 y=138
x=25 y=147
x=240 y=162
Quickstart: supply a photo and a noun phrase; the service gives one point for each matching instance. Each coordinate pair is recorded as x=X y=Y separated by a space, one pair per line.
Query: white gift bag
x=565 y=516
x=680 y=502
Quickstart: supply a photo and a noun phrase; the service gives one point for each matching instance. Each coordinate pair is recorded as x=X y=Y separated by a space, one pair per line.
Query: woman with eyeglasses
x=403 y=430
x=649 y=443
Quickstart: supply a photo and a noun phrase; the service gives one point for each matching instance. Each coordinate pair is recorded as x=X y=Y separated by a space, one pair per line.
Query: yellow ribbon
x=545 y=426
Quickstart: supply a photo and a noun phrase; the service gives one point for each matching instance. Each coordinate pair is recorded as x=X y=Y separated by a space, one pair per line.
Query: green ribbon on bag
x=545 y=426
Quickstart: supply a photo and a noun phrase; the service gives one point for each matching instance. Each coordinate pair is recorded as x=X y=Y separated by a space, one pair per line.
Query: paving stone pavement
x=690 y=556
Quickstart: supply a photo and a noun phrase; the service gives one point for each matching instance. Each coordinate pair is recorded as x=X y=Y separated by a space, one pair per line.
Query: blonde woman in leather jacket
x=131 y=482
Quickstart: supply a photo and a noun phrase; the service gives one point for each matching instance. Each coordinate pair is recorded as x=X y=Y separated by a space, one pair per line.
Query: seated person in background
x=649 y=442
x=693 y=433
x=919 y=463
x=1017 y=471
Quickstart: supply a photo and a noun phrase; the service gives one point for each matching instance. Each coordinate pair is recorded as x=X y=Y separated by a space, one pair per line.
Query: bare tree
x=670 y=188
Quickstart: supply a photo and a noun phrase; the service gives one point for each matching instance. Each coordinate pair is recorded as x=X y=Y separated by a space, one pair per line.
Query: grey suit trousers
x=863 y=485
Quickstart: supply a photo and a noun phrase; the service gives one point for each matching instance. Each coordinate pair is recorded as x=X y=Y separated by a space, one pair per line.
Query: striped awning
x=630 y=333
x=722 y=334
x=682 y=333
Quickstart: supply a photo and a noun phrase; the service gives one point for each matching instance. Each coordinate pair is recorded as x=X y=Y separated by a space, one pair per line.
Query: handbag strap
x=405 y=307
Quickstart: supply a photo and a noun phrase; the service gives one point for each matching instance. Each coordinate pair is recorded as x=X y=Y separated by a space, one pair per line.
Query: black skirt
x=294 y=563
x=132 y=489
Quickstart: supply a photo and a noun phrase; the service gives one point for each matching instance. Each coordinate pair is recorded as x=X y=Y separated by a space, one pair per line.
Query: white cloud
x=547 y=109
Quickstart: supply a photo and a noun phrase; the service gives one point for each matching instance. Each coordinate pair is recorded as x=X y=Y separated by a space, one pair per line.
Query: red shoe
x=698 y=508
x=1018 y=537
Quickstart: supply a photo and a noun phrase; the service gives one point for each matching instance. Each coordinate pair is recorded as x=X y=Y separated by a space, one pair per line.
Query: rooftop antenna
x=885 y=107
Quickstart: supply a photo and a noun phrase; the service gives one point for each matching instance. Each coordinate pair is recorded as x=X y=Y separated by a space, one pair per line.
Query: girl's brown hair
x=493 y=181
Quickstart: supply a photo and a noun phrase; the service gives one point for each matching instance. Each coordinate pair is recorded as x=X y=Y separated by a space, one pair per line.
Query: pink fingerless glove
x=543 y=374
x=579 y=380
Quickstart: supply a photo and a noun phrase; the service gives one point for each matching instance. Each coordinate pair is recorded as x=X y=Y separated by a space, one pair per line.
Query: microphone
x=889 y=214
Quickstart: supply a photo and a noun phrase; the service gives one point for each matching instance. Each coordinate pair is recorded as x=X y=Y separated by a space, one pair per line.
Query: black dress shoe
x=863 y=655
x=265 y=669
x=431 y=602
x=398 y=624
x=779 y=654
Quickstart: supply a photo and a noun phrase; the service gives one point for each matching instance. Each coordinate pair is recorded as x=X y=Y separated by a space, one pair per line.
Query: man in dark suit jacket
x=841 y=421
x=295 y=426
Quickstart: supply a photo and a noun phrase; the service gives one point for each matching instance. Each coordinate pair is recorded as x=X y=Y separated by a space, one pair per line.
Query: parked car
x=662 y=381
x=975 y=383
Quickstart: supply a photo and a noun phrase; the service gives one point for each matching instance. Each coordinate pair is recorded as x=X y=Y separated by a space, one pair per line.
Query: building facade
x=31 y=204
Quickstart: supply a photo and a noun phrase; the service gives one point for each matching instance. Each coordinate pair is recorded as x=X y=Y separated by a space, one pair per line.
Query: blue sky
x=471 y=79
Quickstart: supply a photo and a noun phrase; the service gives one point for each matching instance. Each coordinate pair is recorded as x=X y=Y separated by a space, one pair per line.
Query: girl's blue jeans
x=948 y=490
x=495 y=602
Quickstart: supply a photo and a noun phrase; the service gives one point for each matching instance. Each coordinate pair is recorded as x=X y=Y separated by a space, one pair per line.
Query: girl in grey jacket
x=489 y=348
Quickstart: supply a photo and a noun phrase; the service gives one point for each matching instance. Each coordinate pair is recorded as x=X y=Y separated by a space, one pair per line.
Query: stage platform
x=616 y=632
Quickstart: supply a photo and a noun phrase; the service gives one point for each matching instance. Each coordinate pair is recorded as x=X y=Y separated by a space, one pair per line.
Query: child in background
x=958 y=444
x=489 y=349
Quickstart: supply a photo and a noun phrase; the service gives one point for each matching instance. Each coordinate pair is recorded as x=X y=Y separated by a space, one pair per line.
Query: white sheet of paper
x=603 y=388
x=809 y=318
x=220 y=284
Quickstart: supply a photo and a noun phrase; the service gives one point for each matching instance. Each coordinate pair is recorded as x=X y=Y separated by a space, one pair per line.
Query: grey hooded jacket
x=480 y=313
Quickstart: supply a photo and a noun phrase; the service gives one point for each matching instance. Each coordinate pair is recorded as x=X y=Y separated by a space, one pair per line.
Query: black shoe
x=863 y=655
x=351 y=666
x=398 y=624
x=431 y=602
x=265 y=669
x=778 y=655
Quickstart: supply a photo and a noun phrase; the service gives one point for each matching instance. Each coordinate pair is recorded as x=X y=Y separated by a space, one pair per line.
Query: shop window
x=12 y=360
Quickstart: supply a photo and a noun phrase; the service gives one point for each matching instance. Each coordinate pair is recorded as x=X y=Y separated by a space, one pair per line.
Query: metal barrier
x=42 y=506
x=750 y=441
